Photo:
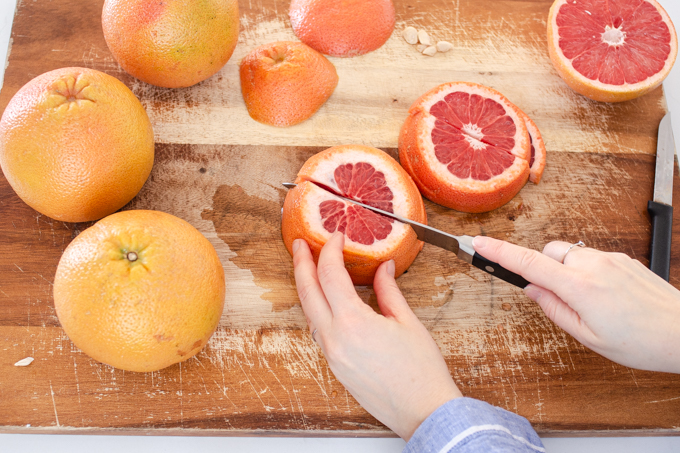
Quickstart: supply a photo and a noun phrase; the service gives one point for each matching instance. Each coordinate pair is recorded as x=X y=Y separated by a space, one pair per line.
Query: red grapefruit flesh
x=611 y=50
x=367 y=175
x=466 y=147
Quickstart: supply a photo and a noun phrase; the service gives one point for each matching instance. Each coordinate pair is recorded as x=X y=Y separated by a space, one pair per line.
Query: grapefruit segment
x=466 y=147
x=367 y=175
x=613 y=50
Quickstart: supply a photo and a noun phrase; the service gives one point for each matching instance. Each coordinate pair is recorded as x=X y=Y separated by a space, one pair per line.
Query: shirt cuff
x=469 y=425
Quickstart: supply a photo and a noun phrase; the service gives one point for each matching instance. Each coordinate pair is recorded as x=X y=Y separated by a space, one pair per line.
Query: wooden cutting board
x=221 y=171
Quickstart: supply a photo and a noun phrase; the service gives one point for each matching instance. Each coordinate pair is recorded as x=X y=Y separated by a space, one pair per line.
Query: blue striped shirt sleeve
x=466 y=425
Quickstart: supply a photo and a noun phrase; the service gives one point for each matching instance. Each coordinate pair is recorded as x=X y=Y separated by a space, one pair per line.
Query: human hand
x=609 y=302
x=389 y=362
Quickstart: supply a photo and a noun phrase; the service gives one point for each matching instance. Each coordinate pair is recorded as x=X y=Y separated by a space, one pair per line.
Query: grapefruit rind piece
x=539 y=153
x=285 y=83
x=595 y=89
x=433 y=178
x=302 y=217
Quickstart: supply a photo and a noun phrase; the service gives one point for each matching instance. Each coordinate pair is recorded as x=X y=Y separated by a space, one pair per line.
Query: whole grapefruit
x=367 y=175
x=139 y=290
x=76 y=144
x=174 y=43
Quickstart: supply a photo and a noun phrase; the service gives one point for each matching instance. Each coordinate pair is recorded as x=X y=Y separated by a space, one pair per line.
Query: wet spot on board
x=251 y=227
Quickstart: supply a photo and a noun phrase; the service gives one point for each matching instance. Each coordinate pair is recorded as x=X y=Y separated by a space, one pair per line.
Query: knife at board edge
x=460 y=245
x=661 y=207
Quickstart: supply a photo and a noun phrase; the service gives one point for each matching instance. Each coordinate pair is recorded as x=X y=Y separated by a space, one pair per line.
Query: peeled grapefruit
x=466 y=147
x=284 y=83
x=611 y=50
x=367 y=175
x=76 y=144
x=171 y=44
x=343 y=29
x=538 y=154
x=139 y=290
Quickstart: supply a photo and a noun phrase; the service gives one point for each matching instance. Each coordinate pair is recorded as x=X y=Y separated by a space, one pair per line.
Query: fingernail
x=479 y=242
x=533 y=293
x=296 y=245
x=390 y=268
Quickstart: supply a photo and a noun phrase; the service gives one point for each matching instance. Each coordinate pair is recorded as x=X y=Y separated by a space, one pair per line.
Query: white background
x=10 y=443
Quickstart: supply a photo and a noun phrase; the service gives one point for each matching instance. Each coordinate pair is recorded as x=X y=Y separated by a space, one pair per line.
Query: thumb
x=390 y=299
x=558 y=311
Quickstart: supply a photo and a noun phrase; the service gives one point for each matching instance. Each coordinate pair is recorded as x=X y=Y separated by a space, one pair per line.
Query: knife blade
x=460 y=245
x=661 y=207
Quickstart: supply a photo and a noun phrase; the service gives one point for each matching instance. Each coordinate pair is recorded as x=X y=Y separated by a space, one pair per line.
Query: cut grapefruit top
x=367 y=175
x=615 y=42
x=475 y=133
x=343 y=28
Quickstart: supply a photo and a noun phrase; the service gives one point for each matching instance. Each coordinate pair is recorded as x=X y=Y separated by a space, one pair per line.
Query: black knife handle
x=662 y=229
x=498 y=271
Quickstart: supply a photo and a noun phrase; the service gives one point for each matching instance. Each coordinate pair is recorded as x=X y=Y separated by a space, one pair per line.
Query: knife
x=661 y=207
x=460 y=245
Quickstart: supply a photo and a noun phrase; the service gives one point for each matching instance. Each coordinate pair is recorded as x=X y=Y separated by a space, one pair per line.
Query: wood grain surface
x=221 y=171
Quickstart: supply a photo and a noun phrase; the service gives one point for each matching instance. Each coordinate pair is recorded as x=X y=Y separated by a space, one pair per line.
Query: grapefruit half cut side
x=614 y=50
x=539 y=153
x=367 y=175
x=466 y=147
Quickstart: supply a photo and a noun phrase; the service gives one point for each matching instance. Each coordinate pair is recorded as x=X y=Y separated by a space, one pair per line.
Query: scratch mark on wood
x=663 y=401
x=54 y=405
x=18 y=267
x=267 y=408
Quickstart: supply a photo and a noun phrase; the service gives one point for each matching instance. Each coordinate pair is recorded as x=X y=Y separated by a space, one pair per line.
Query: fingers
x=314 y=303
x=530 y=264
x=557 y=310
x=333 y=277
x=390 y=299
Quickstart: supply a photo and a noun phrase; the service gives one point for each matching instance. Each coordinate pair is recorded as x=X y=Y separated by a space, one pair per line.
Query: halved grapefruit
x=611 y=50
x=466 y=147
x=367 y=175
x=538 y=152
x=343 y=29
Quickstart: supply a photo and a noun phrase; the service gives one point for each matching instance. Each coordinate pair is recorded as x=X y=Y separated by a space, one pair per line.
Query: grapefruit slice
x=284 y=83
x=538 y=154
x=466 y=147
x=343 y=29
x=367 y=175
x=611 y=50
